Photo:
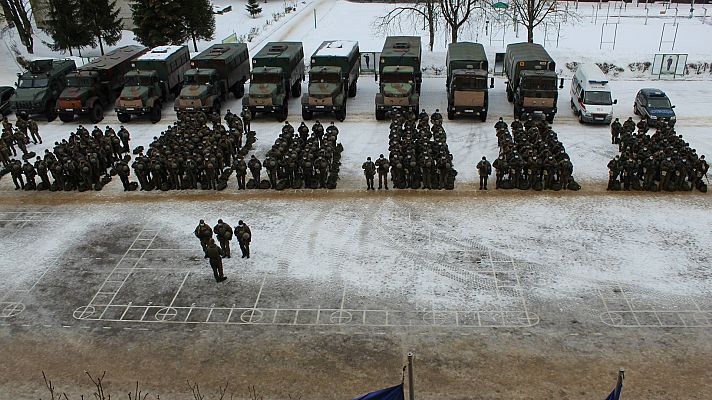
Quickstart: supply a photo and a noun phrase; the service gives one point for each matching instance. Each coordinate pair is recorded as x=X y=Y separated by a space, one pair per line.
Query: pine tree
x=63 y=26
x=101 y=19
x=199 y=20
x=253 y=7
x=158 y=22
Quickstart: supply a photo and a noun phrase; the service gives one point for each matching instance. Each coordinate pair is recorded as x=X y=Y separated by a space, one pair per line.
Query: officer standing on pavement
x=224 y=233
x=369 y=169
x=204 y=233
x=244 y=236
x=484 y=168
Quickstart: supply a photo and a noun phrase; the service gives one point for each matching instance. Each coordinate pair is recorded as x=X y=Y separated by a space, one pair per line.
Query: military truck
x=39 y=87
x=153 y=78
x=467 y=80
x=95 y=85
x=531 y=80
x=334 y=70
x=277 y=73
x=400 y=74
x=214 y=73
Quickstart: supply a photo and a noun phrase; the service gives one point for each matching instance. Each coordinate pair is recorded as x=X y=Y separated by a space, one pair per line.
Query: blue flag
x=391 y=393
x=616 y=393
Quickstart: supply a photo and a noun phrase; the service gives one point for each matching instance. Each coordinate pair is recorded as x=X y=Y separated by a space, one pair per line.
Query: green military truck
x=467 y=80
x=277 y=73
x=40 y=86
x=531 y=80
x=153 y=78
x=214 y=73
x=400 y=74
x=333 y=75
x=94 y=86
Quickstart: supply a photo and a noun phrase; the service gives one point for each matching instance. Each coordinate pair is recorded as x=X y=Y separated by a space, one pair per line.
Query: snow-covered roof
x=160 y=53
x=337 y=48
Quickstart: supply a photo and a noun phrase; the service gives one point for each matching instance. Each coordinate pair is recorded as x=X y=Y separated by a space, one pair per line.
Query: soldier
x=436 y=117
x=125 y=136
x=629 y=125
x=21 y=125
x=500 y=124
x=666 y=169
x=20 y=140
x=123 y=170
x=16 y=172
x=244 y=236
x=369 y=170
x=566 y=169
x=210 y=175
x=246 y=119
x=204 y=234
x=615 y=131
x=213 y=252
x=382 y=167
x=255 y=167
x=642 y=126
x=34 y=131
x=224 y=233
x=501 y=166
x=42 y=171
x=240 y=171
x=9 y=139
x=485 y=170
x=4 y=154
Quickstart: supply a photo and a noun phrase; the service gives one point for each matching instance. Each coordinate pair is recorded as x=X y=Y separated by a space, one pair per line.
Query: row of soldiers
x=190 y=154
x=18 y=136
x=659 y=161
x=419 y=156
x=531 y=157
x=304 y=157
x=79 y=162
x=224 y=234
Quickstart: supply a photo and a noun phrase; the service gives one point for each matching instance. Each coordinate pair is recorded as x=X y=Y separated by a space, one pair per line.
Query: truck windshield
x=394 y=77
x=265 y=78
x=79 y=82
x=33 y=83
x=539 y=84
x=322 y=77
x=197 y=79
x=138 y=80
x=598 y=98
x=658 y=102
x=469 y=83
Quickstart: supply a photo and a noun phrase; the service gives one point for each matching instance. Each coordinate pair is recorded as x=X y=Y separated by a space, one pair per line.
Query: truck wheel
x=580 y=118
x=380 y=115
x=307 y=115
x=50 y=112
x=66 y=117
x=352 y=89
x=284 y=112
x=123 y=118
x=417 y=87
x=483 y=117
x=635 y=110
x=156 y=112
x=550 y=118
x=297 y=89
x=217 y=107
x=341 y=114
x=97 y=113
x=450 y=115
x=238 y=91
x=510 y=95
x=517 y=113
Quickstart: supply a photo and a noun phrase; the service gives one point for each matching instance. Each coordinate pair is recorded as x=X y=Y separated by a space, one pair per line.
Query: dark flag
x=616 y=393
x=391 y=393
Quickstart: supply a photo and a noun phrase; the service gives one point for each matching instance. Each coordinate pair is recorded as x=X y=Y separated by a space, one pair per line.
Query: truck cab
x=203 y=90
x=142 y=93
x=39 y=87
x=467 y=93
x=84 y=94
x=327 y=90
x=267 y=92
x=398 y=91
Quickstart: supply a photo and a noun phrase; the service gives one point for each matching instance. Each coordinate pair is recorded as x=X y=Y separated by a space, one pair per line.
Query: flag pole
x=619 y=383
x=411 y=393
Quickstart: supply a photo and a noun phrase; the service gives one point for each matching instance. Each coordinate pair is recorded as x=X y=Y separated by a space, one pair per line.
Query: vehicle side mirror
x=17 y=84
x=672 y=106
x=375 y=77
x=491 y=83
x=615 y=101
x=561 y=83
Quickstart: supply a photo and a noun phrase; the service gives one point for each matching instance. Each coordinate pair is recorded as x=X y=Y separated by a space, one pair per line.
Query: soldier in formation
x=80 y=162
x=659 y=161
x=419 y=154
x=244 y=237
x=300 y=159
x=224 y=234
x=532 y=157
x=191 y=155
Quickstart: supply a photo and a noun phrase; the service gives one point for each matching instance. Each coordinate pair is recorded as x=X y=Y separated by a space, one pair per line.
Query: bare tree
x=456 y=13
x=98 y=382
x=413 y=13
x=17 y=14
x=531 y=13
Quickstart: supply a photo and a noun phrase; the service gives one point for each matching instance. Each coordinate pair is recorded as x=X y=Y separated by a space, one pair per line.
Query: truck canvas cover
x=285 y=55
x=466 y=55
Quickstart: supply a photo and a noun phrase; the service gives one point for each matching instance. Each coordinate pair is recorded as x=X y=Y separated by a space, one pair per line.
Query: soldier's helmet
x=220 y=221
x=368 y=158
x=202 y=222
x=240 y=223
x=484 y=158
x=381 y=155
x=500 y=118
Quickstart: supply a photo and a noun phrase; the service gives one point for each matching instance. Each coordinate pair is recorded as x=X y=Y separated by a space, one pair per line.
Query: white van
x=591 y=95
